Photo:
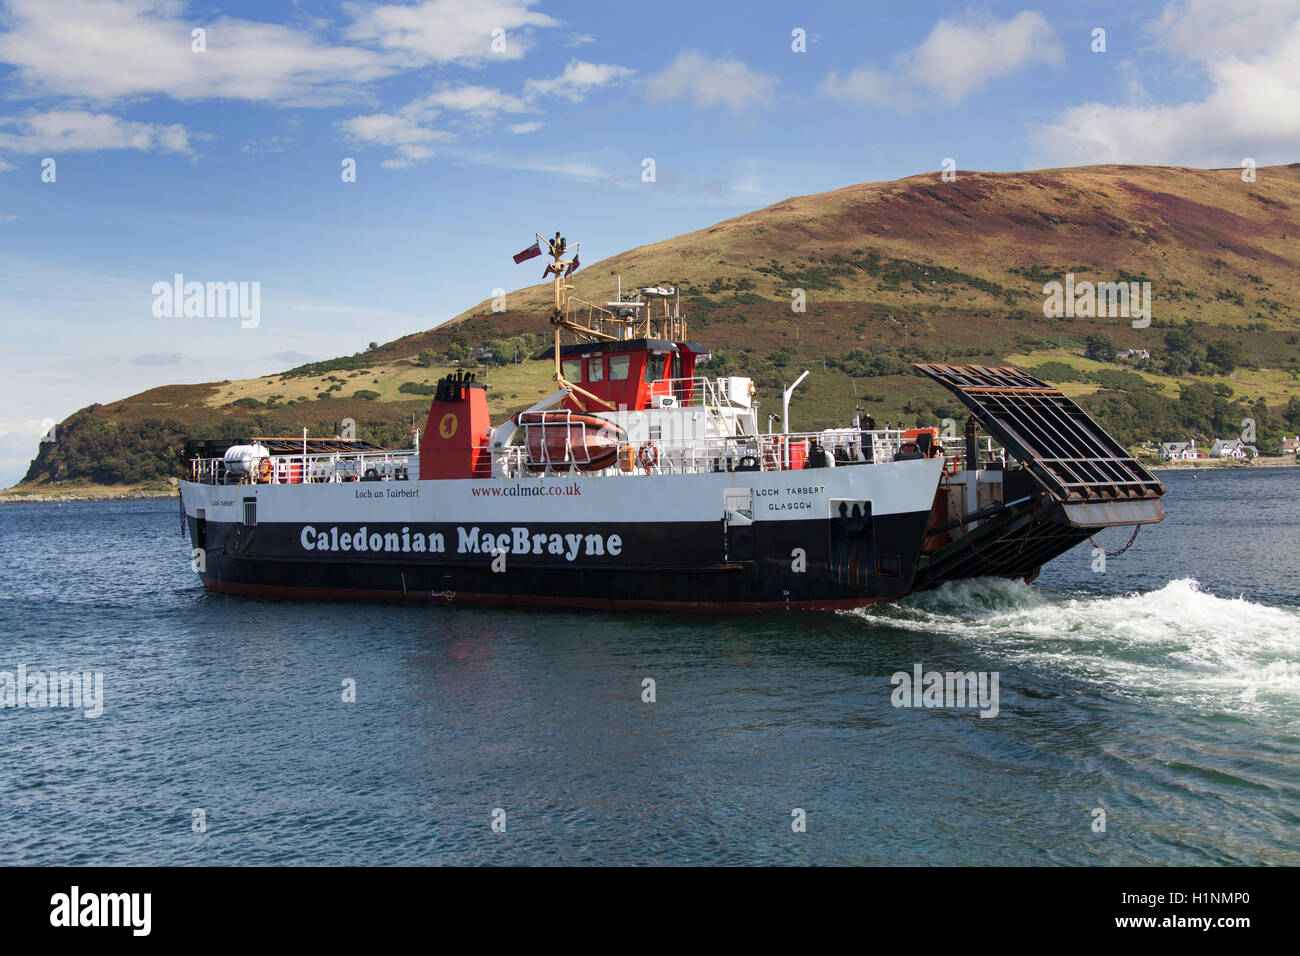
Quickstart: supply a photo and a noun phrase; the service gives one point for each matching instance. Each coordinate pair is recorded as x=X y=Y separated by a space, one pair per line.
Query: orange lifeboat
x=564 y=439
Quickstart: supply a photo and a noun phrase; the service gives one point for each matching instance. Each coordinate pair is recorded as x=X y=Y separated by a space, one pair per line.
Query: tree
x=1267 y=433
x=1176 y=364
x=500 y=349
x=1180 y=352
x=1098 y=347
x=1223 y=355
x=516 y=349
x=456 y=352
x=1292 y=412
x=1181 y=341
x=427 y=357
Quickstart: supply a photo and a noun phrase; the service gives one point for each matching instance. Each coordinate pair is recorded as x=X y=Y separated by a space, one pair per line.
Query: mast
x=562 y=268
x=590 y=323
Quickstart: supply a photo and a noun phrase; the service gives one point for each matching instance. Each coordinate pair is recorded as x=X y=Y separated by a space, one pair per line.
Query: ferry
x=641 y=483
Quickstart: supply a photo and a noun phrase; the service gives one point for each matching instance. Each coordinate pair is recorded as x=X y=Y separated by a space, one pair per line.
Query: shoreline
x=1212 y=464
x=14 y=497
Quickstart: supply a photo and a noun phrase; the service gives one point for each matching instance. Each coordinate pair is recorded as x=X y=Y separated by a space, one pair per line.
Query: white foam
x=1179 y=643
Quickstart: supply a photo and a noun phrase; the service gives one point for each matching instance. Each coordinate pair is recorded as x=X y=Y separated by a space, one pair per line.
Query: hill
x=890 y=273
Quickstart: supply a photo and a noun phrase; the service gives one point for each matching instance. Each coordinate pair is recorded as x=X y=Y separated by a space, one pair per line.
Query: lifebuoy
x=264 y=470
x=647 y=456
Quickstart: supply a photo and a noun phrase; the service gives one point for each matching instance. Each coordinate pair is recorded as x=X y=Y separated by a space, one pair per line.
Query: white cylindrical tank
x=242 y=460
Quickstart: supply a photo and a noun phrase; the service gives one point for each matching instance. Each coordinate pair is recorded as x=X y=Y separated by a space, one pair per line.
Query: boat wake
x=1178 y=644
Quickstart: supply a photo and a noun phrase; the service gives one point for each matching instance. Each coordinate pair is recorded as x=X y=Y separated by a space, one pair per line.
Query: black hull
x=670 y=566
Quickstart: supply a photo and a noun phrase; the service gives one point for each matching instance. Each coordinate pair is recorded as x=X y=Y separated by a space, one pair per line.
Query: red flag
x=573 y=267
x=532 y=252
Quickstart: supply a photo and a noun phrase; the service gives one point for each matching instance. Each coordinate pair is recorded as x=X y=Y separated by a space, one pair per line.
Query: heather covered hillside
x=886 y=274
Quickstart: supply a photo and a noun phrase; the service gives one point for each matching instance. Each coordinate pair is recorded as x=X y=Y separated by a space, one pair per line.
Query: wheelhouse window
x=654 y=366
x=572 y=369
x=595 y=368
x=618 y=367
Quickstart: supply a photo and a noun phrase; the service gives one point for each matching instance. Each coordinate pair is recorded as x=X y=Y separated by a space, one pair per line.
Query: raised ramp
x=1076 y=479
x=1091 y=475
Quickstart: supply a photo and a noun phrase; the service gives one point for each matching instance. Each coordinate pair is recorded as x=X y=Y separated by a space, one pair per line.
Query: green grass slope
x=890 y=273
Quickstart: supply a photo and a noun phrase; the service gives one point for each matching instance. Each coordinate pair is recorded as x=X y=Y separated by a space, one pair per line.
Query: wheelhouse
x=635 y=374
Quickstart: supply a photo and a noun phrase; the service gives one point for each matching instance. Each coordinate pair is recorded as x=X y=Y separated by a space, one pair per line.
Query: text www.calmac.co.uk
x=496 y=491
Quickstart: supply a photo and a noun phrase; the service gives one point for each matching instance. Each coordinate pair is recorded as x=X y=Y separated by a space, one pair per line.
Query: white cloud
x=276 y=143
x=407 y=156
x=78 y=130
x=478 y=106
x=1208 y=28
x=1250 y=111
x=579 y=39
x=386 y=129
x=8 y=217
x=581 y=170
x=6 y=167
x=106 y=50
x=31 y=428
x=445 y=31
x=706 y=82
x=953 y=61
x=407 y=128
x=478 y=100
x=578 y=79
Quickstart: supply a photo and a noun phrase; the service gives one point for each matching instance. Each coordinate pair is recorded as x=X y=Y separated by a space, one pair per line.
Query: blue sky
x=225 y=164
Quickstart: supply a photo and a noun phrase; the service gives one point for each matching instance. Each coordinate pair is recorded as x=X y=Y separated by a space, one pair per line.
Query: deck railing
x=698 y=455
x=839 y=447
x=296 y=469
x=698 y=391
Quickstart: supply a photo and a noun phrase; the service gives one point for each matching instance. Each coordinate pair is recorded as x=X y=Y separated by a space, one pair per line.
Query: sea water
x=1147 y=713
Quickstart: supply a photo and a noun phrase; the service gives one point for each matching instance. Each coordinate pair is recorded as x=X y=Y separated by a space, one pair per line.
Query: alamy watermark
x=946 y=689
x=38 y=689
x=1086 y=300
x=213 y=300
x=127 y=910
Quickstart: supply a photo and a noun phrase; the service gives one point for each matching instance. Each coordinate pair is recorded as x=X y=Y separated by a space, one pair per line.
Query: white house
x=1134 y=353
x=1230 y=448
x=1178 y=450
x=1289 y=446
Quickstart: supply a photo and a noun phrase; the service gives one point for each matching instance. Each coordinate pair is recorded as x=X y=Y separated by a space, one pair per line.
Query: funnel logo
x=447 y=427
